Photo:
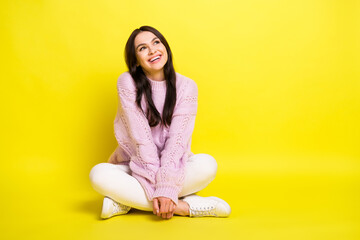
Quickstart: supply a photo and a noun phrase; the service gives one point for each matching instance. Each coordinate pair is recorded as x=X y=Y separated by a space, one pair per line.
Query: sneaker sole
x=106 y=205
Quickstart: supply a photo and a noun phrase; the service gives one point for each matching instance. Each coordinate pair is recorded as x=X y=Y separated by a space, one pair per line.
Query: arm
x=170 y=176
x=144 y=161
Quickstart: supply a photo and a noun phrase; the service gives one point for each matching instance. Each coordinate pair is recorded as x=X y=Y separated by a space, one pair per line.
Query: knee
x=98 y=174
x=208 y=165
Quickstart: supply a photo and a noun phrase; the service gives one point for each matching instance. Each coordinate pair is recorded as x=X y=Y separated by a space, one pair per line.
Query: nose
x=151 y=50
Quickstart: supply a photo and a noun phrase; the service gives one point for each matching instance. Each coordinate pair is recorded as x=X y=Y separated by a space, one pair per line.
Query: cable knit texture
x=156 y=155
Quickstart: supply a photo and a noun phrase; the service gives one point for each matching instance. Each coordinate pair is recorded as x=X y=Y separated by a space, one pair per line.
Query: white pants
x=115 y=181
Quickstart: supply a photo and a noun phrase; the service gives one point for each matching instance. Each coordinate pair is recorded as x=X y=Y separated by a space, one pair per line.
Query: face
x=148 y=47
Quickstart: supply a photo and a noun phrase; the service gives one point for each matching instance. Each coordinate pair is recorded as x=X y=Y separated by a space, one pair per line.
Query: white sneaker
x=111 y=208
x=207 y=206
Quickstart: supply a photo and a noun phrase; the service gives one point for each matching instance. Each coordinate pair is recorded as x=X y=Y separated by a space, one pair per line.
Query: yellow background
x=279 y=101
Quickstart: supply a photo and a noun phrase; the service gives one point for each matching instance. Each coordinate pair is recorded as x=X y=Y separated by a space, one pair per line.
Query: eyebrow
x=144 y=43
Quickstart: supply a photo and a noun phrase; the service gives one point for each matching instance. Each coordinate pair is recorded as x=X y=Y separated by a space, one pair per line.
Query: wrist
x=170 y=192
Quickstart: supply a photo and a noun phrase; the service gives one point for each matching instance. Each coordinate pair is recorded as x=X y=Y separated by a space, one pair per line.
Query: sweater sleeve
x=144 y=159
x=171 y=174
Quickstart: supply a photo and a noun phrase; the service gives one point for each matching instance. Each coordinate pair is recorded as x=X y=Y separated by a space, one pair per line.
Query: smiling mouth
x=155 y=59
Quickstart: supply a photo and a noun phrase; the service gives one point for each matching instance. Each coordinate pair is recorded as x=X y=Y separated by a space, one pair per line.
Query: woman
x=153 y=168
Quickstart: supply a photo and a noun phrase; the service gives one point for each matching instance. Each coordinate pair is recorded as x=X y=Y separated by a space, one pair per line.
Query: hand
x=163 y=207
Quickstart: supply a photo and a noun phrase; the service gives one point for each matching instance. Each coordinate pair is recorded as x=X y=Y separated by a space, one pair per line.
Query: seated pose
x=153 y=168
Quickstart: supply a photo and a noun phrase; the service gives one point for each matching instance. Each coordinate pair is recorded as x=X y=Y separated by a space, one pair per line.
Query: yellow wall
x=275 y=78
x=272 y=75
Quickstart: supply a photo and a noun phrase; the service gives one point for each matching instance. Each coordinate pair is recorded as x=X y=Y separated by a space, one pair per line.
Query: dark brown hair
x=143 y=84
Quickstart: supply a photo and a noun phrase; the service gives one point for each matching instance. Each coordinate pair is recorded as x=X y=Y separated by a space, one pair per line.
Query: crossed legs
x=115 y=181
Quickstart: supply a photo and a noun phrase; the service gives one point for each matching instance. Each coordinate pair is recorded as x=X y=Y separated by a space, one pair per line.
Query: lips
x=155 y=57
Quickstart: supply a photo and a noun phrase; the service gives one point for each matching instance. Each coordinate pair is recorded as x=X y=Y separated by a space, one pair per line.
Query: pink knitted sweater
x=156 y=155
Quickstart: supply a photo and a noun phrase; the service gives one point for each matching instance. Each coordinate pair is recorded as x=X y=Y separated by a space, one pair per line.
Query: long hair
x=143 y=85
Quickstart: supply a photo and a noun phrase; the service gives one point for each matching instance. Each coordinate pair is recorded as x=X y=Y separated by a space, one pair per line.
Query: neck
x=158 y=76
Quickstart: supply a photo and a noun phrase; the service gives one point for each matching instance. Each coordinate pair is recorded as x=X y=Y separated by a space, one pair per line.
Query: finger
x=167 y=207
x=171 y=210
x=162 y=206
x=165 y=210
x=158 y=213
x=156 y=206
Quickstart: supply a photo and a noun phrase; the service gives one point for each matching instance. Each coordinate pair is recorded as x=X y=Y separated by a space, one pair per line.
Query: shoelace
x=120 y=208
x=203 y=211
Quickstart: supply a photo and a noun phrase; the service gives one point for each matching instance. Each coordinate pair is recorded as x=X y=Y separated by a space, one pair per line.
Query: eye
x=141 y=48
x=157 y=41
